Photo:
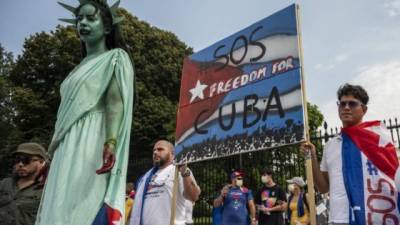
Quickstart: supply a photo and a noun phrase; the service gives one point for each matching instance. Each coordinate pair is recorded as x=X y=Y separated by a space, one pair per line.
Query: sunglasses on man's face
x=24 y=159
x=352 y=104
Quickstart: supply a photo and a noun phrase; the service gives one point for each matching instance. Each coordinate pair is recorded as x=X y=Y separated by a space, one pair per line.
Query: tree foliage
x=6 y=113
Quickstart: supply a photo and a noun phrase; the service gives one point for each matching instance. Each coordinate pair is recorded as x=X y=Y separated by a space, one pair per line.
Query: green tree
x=315 y=118
x=158 y=57
x=6 y=112
x=46 y=60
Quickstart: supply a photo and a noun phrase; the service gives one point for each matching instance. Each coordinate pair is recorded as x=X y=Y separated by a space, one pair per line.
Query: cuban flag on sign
x=371 y=174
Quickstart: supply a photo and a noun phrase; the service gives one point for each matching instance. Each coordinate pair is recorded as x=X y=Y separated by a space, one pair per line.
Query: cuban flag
x=242 y=93
x=371 y=174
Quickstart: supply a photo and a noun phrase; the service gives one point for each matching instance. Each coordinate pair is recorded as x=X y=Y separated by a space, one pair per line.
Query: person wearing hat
x=298 y=210
x=20 y=195
x=270 y=200
x=234 y=199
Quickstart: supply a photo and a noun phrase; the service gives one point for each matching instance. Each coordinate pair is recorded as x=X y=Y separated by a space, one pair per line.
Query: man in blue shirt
x=235 y=198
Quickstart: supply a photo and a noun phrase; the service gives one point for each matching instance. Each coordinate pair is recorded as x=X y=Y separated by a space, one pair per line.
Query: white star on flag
x=384 y=135
x=197 y=91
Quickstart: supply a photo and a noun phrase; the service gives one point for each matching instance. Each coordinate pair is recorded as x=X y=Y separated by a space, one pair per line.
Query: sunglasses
x=24 y=159
x=352 y=104
x=239 y=178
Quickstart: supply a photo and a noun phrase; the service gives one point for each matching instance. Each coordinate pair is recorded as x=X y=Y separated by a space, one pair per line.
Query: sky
x=344 y=41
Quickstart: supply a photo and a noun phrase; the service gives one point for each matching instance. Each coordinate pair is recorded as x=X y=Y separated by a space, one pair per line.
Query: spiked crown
x=113 y=9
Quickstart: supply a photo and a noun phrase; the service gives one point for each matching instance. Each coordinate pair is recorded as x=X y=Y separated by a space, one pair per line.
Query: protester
x=298 y=208
x=153 y=199
x=235 y=198
x=216 y=213
x=20 y=195
x=270 y=200
x=356 y=165
x=91 y=140
x=129 y=200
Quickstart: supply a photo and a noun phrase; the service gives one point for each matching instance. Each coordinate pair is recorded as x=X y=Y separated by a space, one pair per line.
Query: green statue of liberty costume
x=93 y=127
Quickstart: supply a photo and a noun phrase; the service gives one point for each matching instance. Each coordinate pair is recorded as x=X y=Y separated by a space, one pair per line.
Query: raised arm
x=320 y=177
x=191 y=190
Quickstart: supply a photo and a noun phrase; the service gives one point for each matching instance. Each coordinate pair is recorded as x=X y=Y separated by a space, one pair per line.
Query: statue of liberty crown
x=113 y=9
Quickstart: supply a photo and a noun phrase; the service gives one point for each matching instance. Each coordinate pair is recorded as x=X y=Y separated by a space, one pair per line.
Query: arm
x=252 y=209
x=114 y=113
x=220 y=199
x=191 y=190
x=320 y=177
x=114 y=110
x=281 y=205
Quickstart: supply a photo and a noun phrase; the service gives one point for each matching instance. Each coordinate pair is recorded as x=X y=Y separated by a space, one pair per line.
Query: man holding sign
x=359 y=167
x=154 y=196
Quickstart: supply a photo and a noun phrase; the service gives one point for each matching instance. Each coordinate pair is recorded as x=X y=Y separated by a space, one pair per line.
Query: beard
x=161 y=162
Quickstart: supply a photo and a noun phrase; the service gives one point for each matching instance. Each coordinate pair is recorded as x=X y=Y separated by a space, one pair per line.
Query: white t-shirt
x=332 y=163
x=157 y=206
x=189 y=211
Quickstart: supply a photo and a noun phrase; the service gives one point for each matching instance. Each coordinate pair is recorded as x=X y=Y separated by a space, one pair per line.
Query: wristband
x=186 y=173
x=112 y=141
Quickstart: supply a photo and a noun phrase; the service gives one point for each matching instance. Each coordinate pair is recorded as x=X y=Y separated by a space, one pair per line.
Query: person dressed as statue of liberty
x=90 y=146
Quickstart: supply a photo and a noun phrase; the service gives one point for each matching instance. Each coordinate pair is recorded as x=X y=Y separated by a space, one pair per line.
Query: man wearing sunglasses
x=357 y=166
x=20 y=195
x=235 y=199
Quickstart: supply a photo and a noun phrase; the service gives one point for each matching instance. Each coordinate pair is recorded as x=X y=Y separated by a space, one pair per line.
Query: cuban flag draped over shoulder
x=371 y=174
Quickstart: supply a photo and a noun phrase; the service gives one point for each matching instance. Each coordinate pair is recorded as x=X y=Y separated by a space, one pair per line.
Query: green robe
x=74 y=193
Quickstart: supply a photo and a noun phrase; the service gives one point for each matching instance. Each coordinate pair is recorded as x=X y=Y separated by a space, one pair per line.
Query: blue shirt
x=235 y=206
x=217 y=215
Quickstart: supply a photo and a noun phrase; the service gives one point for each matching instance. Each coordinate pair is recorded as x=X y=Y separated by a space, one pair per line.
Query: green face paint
x=90 y=25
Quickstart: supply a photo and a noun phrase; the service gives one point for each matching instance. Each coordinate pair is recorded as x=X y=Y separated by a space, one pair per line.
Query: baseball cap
x=235 y=174
x=32 y=148
x=297 y=180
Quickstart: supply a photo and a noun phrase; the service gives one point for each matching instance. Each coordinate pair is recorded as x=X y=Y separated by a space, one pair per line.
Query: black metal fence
x=286 y=162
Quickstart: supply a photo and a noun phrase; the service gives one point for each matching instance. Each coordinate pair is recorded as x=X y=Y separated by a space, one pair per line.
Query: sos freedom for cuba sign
x=242 y=93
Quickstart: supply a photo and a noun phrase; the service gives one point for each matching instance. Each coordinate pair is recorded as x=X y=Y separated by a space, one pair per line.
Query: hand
x=182 y=168
x=108 y=159
x=225 y=191
x=254 y=222
x=308 y=149
x=266 y=210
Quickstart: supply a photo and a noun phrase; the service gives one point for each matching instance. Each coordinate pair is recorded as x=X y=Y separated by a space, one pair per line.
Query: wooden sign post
x=308 y=163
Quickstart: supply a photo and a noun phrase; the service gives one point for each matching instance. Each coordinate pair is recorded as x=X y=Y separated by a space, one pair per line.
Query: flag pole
x=174 y=196
x=308 y=162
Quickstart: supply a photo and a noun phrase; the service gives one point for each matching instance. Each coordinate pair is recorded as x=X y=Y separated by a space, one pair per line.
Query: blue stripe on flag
x=353 y=180
x=101 y=218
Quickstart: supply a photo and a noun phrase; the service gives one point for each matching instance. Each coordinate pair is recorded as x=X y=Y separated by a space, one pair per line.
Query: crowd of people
x=154 y=203
x=262 y=138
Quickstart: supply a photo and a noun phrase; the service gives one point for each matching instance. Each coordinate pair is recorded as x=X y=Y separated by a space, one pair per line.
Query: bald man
x=154 y=190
